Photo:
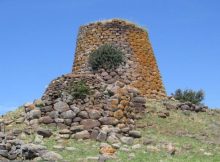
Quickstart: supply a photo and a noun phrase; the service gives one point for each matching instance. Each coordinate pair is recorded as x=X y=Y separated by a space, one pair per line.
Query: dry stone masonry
x=102 y=105
x=116 y=96
x=140 y=70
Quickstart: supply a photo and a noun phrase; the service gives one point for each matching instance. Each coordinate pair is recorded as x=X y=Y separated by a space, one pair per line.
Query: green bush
x=106 y=56
x=79 y=90
x=189 y=95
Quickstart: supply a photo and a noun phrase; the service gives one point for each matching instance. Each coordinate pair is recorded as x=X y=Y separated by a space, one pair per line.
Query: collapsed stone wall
x=112 y=107
x=140 y=70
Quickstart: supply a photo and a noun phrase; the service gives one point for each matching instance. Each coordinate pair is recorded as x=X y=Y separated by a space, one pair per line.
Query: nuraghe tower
x=141 y=70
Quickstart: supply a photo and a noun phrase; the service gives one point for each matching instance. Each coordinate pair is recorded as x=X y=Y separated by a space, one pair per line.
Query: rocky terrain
x=112 y=107
x=168 y=131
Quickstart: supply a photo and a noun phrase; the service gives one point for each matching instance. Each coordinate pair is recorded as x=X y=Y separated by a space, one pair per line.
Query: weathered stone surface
x=127 y=140
x=82 y=135
x=75 y=109
x=68 y=114
x=44 y=132
x=77 y=128
x=35 y=114
x=46 y=108
x=94 y=134
x=53 y=114
x=101 y=136
x=65 y=131
x=90 y=123
x=113 y=139
x=83 y=115
x=108 y=121
x=139 y=99
x=94 y=114
x=61 y=106
x=46 y=120
x=135 y=134
x=51 y=156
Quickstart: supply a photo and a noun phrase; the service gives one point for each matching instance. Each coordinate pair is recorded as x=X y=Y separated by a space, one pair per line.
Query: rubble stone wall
x=140 y=69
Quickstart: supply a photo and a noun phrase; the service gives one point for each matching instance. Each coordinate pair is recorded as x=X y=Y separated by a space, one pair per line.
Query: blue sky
x=38 y=37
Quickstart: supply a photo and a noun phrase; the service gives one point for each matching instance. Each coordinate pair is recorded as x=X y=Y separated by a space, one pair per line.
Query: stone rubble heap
x=108 y=113
x=187 y=106
x=11 y=148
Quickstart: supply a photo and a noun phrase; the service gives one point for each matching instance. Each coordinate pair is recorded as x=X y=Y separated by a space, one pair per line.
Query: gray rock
x=30 y=151
x=61 y=106
x=34 y=122
x=46 y=108
x=53 y=114
x=65 y=131
x=46 y=120
x=77 y=119
x=90 y=123
x=68 y=114
x=103 y=74
x=135 y=134
x=94 y=114
x=170 y=106
x=112 y=138
x=83 y=114
x=44 y=132
x=139 y=99
x=59 y=120
x=75 y=109
x=108 y=121
x=81 y=135
x=77 y=128
x=127 y=140
x=68 y=122
x=4 y=153
x=184 y=107
x=38 y=139
x=35 y=114
x=51 y=156
x=101 y=136
x=94 y=134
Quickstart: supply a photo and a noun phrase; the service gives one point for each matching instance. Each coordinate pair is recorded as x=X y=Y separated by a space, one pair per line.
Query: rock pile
x=186 y=106
x=12 y=148
x=107 y=113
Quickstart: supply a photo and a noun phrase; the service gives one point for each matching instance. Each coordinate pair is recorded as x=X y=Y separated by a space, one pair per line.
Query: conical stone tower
x=105 y=103
x=140 y=71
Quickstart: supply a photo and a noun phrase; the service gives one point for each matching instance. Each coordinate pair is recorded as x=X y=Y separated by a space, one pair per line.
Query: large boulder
x=90 y=123
x=35 y=114
x=82 y=135
x=94 y=114
x=44 y=132
x=68 y=114
x=108 y=121
x=61 y=106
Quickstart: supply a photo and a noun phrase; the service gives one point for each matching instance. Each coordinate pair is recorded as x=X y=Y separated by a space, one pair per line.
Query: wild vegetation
x=180 y=137
x=106 y=56
x=189 y=95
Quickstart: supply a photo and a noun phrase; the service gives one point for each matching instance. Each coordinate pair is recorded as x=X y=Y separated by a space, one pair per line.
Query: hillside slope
x=176 y=136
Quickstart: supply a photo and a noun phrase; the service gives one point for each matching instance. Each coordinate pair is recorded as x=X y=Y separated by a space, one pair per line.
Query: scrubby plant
x=106 y=56
x=189 y=95
x=79 y=89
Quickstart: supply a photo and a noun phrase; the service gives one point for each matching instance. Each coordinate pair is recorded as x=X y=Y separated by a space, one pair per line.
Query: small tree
x=106 y=56
x=189 y=95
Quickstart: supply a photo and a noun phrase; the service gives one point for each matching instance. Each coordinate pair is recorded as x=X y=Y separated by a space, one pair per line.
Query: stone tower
x=140 y=71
